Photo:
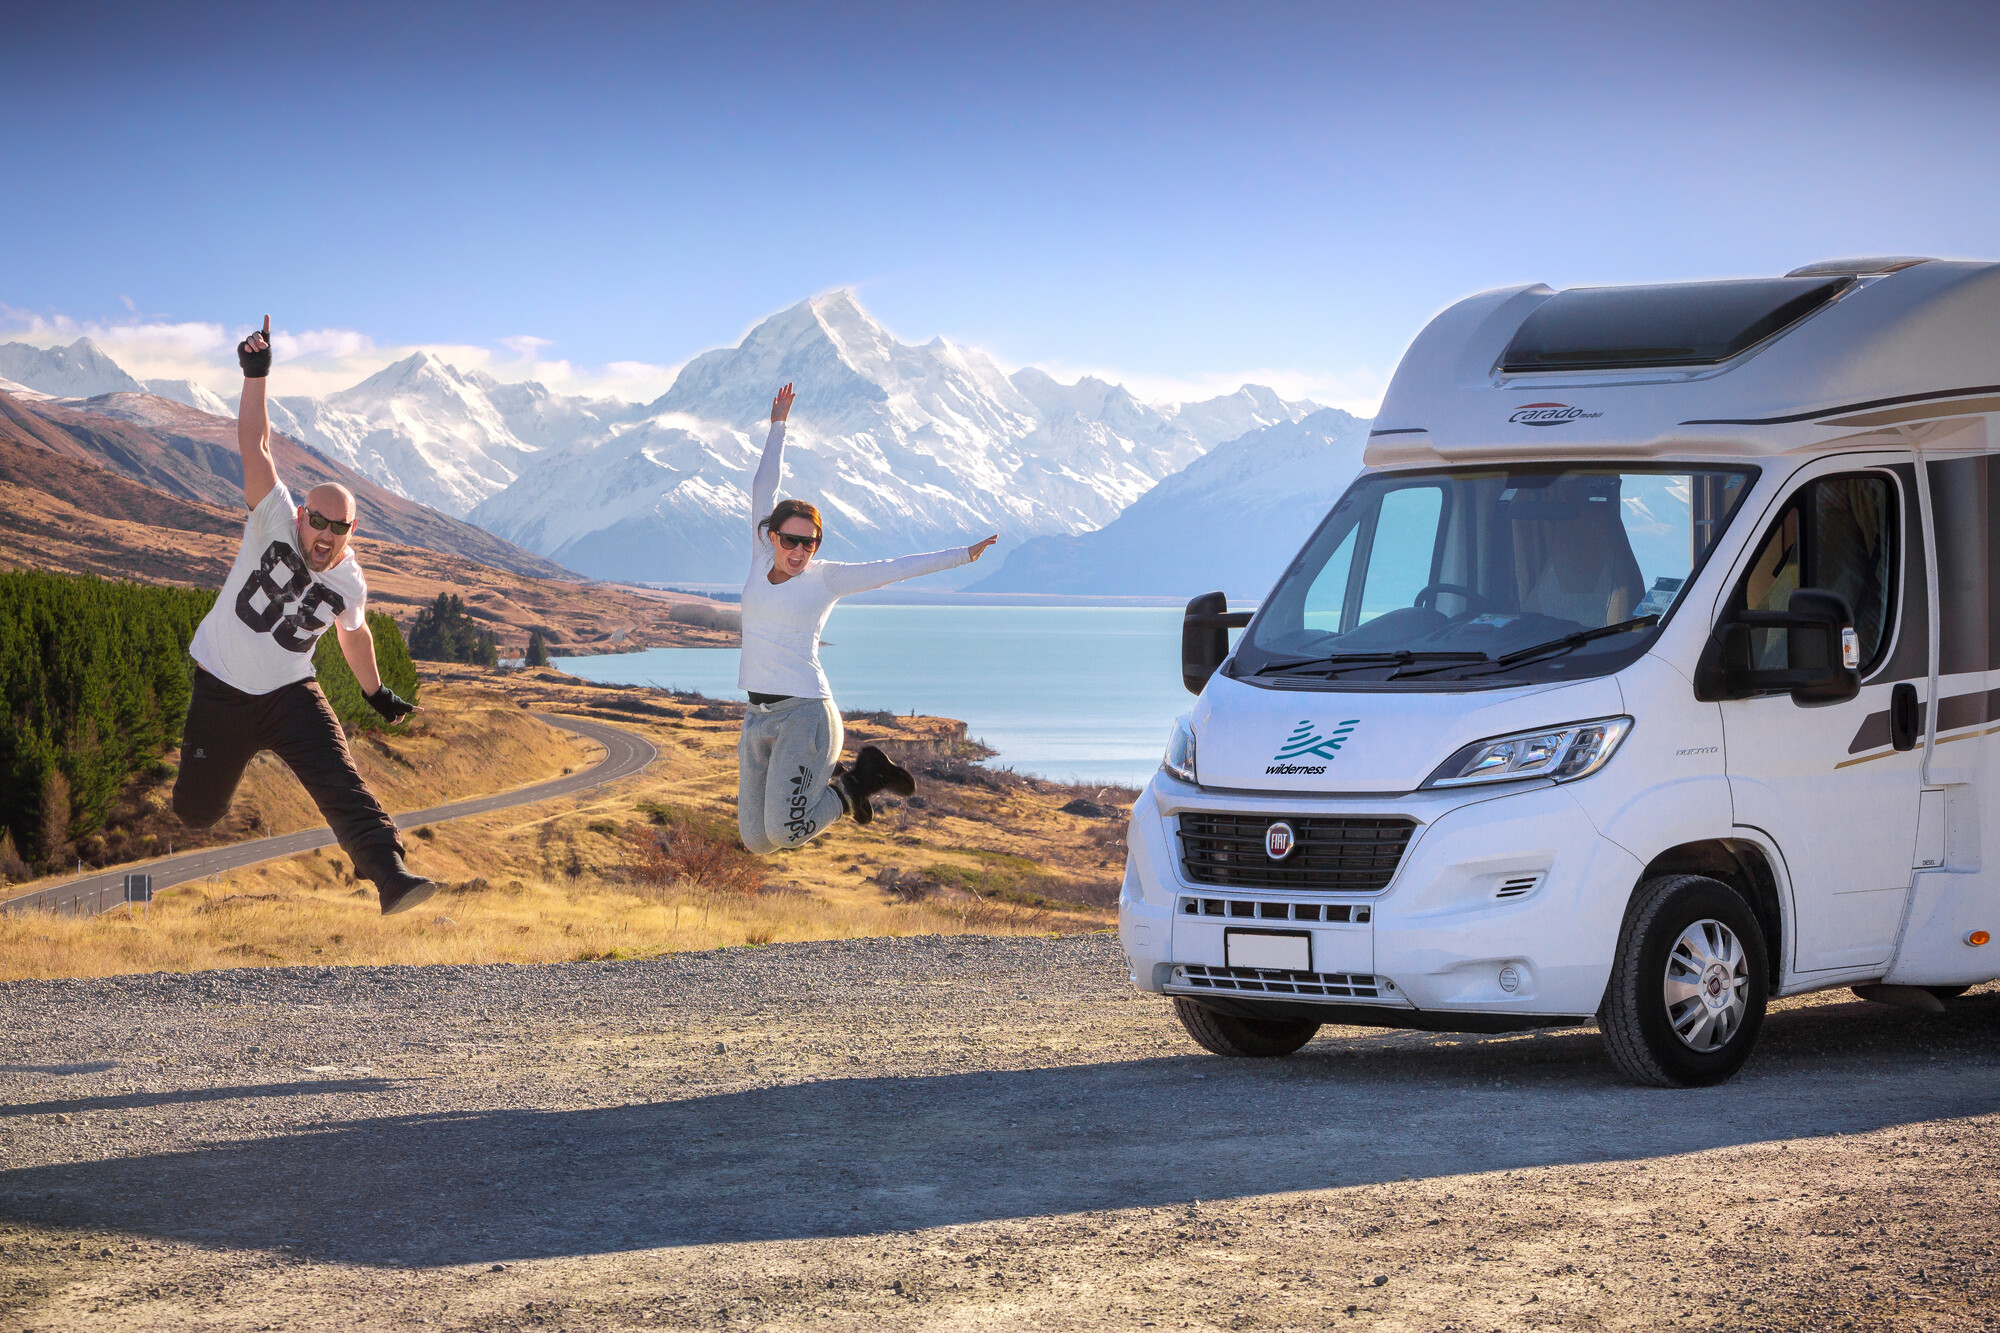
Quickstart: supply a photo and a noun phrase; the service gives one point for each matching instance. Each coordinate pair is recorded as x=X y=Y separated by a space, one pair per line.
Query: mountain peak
x=80 y=370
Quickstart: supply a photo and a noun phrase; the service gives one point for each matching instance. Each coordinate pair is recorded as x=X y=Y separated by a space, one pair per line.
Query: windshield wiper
x=1353 y=661
x=1564 y=644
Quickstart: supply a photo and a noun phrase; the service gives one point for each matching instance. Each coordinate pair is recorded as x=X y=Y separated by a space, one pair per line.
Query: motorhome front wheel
x=1226 y=1034
x=1688 y=988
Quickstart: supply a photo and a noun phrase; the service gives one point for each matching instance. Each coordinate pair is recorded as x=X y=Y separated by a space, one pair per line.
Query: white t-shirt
x=260 y=634
x=782 y=621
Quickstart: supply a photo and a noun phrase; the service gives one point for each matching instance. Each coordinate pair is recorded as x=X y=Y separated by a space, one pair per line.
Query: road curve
x=626 y=753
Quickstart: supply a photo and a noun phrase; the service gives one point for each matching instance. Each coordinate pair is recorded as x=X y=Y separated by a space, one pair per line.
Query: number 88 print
x=297 y=630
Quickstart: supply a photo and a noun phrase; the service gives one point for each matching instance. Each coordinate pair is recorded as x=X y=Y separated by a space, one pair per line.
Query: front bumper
x=1504 y=911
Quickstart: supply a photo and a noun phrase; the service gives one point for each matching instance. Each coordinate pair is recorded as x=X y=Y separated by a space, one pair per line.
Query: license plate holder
x=1268 y=950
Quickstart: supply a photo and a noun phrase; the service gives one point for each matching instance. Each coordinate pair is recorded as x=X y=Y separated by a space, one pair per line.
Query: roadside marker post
x=139 y=889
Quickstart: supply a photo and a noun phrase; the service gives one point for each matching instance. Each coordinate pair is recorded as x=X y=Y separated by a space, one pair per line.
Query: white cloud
x=525 y=345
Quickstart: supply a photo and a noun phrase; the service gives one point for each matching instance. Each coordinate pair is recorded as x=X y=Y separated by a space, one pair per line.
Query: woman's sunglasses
x=793 y=542
x=321 y=523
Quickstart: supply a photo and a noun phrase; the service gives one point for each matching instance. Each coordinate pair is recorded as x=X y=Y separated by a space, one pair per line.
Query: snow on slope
x=196 y=395
x=905 y=447
x=80 y=370
x=1232 y=520
x=438 y=435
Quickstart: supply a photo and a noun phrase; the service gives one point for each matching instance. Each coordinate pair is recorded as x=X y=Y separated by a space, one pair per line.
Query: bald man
x=253 y=682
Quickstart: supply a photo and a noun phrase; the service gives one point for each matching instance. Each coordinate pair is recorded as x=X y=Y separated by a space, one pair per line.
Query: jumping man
x=253 y=681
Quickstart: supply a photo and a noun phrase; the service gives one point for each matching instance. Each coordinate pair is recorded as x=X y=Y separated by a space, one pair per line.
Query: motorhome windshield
x=1496 y=574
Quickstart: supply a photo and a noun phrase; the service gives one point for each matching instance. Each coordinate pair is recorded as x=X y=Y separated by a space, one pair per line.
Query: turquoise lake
x=1083 y=694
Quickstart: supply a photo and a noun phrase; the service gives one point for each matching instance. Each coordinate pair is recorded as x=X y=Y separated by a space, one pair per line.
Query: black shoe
x=875 y=771
x=851 y=796
x=402 y=889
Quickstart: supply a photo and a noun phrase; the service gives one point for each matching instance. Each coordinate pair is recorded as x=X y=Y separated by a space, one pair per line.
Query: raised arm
x=764 y=486
x=253 y=422
x=845 y=579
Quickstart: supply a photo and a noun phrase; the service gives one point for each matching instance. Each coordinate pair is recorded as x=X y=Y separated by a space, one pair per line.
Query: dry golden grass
x=273 y=920
x=566 y=879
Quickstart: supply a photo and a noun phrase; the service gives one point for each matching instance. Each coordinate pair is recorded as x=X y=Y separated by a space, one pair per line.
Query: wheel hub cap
x=1707 y=985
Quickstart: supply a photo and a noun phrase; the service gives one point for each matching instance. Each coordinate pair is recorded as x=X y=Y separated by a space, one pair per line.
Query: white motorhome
x=1606 y=689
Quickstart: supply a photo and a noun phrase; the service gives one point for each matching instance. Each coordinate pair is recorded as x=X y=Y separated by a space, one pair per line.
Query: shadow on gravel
x=133 y=1101
x=848 y=1156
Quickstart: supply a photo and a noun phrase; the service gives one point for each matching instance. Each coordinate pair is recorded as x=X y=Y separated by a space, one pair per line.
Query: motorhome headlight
x=1562 y=753
x=1179 y=759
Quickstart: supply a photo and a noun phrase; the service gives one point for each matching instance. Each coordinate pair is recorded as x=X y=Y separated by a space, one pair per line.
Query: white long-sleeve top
x=782 y=621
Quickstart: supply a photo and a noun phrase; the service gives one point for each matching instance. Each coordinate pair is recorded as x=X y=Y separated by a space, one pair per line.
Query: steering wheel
x=1474 y=601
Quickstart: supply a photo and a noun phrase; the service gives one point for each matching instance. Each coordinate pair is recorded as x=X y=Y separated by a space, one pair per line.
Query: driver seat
x=1586 y=573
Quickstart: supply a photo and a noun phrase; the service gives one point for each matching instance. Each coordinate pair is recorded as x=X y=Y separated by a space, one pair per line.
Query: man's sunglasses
x=321 y=523
x=793 y=542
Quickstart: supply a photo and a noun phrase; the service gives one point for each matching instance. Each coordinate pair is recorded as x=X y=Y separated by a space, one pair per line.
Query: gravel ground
x=953 y=1133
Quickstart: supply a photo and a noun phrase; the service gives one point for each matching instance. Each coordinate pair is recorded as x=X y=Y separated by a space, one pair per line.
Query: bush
x=343 y=691
x=693 y=848
x=708 y=617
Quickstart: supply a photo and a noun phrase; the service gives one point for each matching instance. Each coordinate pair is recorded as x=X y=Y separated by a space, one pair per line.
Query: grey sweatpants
x=783 y=761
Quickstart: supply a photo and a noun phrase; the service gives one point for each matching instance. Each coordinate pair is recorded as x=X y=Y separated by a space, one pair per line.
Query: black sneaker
x=875 y=771
x=402 y=889
x=851 y=796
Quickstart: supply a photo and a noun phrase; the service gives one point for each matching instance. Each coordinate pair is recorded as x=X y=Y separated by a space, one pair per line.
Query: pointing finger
x=267 y=328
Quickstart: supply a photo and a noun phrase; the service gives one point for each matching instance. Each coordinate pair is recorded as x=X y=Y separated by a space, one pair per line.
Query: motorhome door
x=1824 y=781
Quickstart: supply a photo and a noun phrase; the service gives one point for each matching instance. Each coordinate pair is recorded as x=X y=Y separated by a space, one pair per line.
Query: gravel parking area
x=959 y=1132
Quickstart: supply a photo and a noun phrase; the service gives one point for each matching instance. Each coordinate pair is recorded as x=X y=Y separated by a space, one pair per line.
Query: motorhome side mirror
x=1821 y=653
x=1205 y=637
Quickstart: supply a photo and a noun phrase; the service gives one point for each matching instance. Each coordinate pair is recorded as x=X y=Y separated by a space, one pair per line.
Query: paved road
x=625 y=753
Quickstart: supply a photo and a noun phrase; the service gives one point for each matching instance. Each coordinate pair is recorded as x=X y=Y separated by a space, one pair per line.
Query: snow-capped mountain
x=438 y=435
x=194 y=394
x=906 y=448
x=1231 y=520
x=80 y=370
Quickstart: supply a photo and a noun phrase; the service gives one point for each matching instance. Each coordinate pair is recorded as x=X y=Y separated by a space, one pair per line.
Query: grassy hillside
x=586 y=877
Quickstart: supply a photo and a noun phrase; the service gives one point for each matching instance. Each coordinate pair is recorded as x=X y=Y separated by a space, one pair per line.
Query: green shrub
x=336 y=679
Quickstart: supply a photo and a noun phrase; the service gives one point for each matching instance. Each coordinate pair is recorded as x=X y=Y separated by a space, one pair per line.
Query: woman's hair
x=792 y=509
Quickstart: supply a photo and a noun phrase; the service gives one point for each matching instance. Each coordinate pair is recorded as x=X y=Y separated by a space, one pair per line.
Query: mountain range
x=1229 y=521
x=905 y=447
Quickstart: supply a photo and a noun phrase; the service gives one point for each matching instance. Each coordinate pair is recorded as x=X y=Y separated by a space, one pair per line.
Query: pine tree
x=52 y=844
x=538 y=649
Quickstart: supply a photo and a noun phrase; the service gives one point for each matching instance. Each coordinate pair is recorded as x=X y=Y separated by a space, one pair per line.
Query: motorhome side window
x=1459 y=574
x=1838 y=534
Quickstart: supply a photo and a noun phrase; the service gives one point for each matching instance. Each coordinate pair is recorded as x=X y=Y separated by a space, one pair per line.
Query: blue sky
x=1176 y=196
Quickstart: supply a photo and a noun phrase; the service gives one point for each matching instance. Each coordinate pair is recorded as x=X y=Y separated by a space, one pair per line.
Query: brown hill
x=63 y=512
x=187 y=453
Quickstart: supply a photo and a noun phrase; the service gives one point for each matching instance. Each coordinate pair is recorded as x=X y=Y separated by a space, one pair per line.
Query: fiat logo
x=1278 y=841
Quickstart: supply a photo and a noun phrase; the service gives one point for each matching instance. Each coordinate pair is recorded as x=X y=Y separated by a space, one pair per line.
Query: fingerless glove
x=256 y=365
x=390 y=705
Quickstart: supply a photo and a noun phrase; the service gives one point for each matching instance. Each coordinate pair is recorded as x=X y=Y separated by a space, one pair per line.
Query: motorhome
x=1649 y=669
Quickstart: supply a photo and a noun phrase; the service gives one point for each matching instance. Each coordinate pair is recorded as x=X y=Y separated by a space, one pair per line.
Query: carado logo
x=1550 y=414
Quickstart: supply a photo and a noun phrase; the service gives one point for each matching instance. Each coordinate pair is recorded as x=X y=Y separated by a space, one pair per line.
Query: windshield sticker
x=1306 y=743
x=1551 y=414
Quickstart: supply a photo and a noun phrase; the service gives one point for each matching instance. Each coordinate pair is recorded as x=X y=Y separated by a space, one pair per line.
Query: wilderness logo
x=1551 y=414
x=1306 y=742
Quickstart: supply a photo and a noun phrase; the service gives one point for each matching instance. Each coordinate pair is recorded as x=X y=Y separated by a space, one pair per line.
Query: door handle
x=1905 y=717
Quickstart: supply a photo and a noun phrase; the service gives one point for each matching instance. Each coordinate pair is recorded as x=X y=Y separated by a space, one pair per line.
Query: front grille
x=1327 y=985
x=1260 y=910
x=1344 y=853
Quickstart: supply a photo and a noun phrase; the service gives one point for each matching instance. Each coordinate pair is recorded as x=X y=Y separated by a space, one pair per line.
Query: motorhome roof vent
x=1833 y=268
x=1672 y=324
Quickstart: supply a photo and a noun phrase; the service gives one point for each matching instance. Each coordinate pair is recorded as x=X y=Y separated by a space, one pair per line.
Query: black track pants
x=225 y=730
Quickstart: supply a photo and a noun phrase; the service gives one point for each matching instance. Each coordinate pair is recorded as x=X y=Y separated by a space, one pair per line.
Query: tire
x=1253 y=1038
x=1643 y=1023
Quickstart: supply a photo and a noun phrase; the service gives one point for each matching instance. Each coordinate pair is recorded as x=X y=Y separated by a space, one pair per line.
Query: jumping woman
x=788 y=791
